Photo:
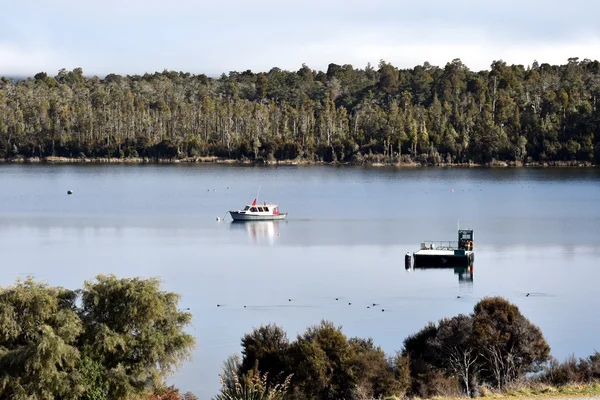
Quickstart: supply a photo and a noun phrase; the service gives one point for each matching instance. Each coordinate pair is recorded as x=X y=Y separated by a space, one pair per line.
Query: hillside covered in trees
x=427 y=114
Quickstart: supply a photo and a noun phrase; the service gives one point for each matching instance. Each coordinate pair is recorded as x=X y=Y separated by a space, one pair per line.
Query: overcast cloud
x=212 y=37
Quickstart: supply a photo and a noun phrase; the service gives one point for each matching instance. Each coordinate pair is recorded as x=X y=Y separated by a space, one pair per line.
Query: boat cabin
x=266 y=208
x=465 y=239
x=257 y=209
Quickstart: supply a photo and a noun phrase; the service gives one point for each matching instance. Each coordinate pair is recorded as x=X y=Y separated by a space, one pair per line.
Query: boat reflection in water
x=259 y=232
x=465 y=274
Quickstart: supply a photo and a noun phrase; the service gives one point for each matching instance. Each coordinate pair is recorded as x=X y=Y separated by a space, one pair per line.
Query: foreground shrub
x=254 y=386
x=324 y=362
x=495 y=345
x=572 y=370
x=120 y=341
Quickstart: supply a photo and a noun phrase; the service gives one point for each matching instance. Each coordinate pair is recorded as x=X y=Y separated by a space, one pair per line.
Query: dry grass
x=537 y=390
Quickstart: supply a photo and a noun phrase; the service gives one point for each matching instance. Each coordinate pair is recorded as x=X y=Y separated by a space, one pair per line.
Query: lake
x=536 y=231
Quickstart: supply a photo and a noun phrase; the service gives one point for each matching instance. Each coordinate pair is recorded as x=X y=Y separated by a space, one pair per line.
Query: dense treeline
x=426 y=114
x=495 y=348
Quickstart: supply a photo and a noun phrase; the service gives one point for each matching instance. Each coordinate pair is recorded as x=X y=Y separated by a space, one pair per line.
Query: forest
x=426 y=115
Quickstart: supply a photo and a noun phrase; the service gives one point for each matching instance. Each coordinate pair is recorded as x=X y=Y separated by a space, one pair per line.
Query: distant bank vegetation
x=429 y=115
x=118 y=339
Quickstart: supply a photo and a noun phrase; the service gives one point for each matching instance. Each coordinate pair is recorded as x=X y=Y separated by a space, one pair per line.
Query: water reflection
x=465 y=275
x=259 y=231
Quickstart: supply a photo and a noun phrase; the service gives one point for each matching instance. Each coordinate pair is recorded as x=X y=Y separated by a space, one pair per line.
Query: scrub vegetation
x=119 y=339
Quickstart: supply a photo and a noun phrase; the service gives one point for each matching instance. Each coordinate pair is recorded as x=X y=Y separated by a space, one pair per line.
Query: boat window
x=253 y=209
x=247 y=208
x=260 y=209
x=267 y=209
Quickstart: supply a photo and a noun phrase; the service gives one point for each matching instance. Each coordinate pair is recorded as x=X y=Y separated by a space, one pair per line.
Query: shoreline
x=299 y=162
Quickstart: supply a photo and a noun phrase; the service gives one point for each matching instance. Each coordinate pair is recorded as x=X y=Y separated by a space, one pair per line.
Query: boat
x=444 y=254
x=255 y=212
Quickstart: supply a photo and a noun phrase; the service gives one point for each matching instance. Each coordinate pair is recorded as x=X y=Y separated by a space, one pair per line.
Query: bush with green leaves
x=495 y=345
x=253 y=386
x=325 y=364
x=113 y=339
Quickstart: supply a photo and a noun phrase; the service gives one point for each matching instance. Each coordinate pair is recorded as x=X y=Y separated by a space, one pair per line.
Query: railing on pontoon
x=439 y=245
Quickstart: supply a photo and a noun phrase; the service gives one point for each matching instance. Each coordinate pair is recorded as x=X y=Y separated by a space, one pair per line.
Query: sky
x=215 y=37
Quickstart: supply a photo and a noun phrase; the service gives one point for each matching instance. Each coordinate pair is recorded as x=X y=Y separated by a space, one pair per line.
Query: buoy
x=218 y=218
x=452 y=190
x=69 y=192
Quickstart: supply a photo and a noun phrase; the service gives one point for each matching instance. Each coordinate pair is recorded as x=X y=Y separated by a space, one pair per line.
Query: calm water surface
x=536 y=230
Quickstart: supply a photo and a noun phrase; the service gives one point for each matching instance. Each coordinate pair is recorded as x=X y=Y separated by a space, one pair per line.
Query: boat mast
x=257 y=193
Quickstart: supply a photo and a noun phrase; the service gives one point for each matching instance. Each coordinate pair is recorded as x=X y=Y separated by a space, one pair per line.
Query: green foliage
x=324 y=362
x=266 y=348
x=421 y=358
x=122 y=340
x=38 y=353
x=253 y=387
x=496 y=345
x=91 y=375
x=134 y=330
x=376 y=375
x=454 y=350
x=429 y=114
x=323 y=357
x=232 y=369
x=509 y=343
x=171 y=393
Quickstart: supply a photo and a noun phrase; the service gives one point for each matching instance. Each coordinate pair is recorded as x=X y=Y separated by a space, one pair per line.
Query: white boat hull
x=243 y=216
